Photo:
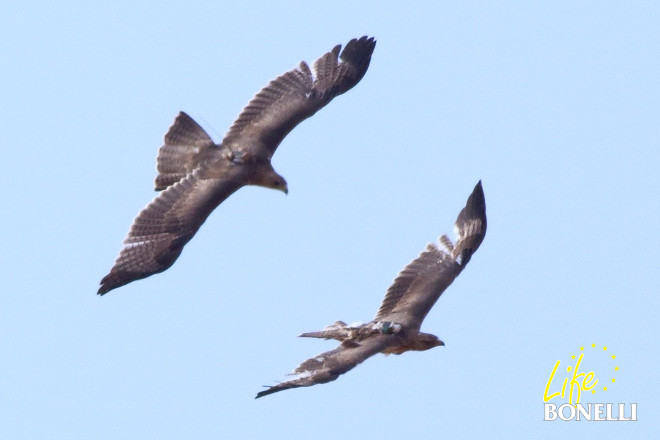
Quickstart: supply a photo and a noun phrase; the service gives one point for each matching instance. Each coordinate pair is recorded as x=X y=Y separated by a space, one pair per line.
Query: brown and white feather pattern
x=419 y=285
x=195 y=175
x=328 y=366
x=185 y=145
x=161 y=230
x=395 y=329
x=296 y=95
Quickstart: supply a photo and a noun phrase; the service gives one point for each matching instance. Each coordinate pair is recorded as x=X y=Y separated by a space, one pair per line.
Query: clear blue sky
x=554 y=105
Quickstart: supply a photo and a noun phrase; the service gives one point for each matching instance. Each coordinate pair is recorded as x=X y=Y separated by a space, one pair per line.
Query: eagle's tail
x=339 y=331
x=185 y=146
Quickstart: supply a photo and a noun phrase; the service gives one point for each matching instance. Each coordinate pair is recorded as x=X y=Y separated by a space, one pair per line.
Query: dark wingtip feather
x=471 y=225
x=358 y=52
x=475 y=207
x=107 y=284
x=263 y=393
x=271 y=390
x=112 y=281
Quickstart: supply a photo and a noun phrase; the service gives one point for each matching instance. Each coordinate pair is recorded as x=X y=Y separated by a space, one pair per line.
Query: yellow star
x=573 y=357
x=604 y=388
x=593 y=345
x=582 y=348
x=593 y=391
x=604 y=348
x=613 y=380
x=613 y=357
x=616 y=368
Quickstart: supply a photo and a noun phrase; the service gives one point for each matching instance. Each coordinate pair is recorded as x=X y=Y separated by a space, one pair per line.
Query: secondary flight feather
x=195 y=175
x=395 y=329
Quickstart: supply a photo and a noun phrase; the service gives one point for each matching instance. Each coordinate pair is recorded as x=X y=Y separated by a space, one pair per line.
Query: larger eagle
x=395 y=329
x=195 y=175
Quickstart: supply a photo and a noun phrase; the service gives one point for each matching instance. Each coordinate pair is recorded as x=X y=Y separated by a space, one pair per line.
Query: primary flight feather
x=195 y=175
x=395 y=329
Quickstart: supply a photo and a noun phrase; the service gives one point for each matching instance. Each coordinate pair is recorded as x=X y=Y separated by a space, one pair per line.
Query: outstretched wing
x=419 y=285
x=160 y=231
x=298 y=94
x=328 y=366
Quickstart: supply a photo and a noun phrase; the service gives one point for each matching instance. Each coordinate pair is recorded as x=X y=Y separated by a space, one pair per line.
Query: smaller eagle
x=195 y=174
x=395 y=329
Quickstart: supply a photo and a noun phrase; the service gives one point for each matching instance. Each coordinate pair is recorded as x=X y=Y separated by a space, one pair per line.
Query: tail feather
x=339 y=331
x=186 y=145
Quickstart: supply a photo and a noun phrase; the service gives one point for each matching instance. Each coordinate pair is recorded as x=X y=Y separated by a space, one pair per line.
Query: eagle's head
x=264 y=175
x=278 y=183
x=426 y=341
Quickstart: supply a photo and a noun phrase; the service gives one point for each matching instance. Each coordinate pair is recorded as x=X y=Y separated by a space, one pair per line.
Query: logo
x=590 y=374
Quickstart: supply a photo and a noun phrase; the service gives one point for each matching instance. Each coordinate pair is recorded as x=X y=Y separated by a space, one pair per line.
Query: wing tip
x=363 y=46
x=365 y=39
x=263 y=393
x=270 y=390
x=106 y=285
x=470 y=226
x=475 y=206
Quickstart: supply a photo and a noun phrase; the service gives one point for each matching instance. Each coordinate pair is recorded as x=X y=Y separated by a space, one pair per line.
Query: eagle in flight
x=195 y=175
x=395 y=329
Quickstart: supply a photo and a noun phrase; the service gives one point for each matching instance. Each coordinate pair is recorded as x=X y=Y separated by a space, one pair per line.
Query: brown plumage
x=195 y=175
x=395 y=329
